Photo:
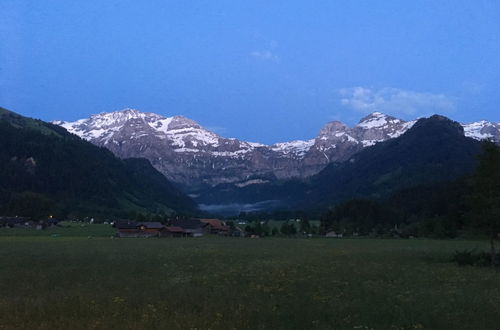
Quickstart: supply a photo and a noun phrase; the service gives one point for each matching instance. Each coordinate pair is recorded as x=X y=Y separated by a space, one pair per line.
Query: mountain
x=44 y=167
x=483 y=130
x=433 y=150
x=197 y=158
x=337 y=142
x=184 y=151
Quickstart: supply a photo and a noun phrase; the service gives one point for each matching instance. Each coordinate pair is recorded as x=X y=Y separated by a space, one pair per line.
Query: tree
x=30 y=204
x=288 y=229
x=485 y=197
x=305 y=226
x=231 y=225
x=249 y=230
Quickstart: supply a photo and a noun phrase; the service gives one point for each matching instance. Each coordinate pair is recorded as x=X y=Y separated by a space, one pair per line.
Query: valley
x=232 y=175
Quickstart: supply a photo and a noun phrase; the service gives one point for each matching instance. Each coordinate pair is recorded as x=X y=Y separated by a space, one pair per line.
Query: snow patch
x=475 y=130
x=297 y=147
x=376 y=119
x=250 y=182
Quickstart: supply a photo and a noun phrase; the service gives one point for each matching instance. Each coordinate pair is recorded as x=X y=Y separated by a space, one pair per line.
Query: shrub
x=464 y=257
x=470 y=257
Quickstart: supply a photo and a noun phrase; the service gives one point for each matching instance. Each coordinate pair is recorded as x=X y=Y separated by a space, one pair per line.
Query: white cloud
x=395 y=101
x=265 y=55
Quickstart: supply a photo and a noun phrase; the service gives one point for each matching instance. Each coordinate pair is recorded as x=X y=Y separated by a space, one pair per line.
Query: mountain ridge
x=433 y=151
x=189 y=154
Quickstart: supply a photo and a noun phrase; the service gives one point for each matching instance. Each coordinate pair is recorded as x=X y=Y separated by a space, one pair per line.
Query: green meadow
x=80 y=278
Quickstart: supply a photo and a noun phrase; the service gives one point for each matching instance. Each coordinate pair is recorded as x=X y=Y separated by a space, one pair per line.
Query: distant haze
x=236 y=208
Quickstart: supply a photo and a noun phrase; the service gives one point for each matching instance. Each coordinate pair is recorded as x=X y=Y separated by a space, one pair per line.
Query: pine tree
x=486 y=194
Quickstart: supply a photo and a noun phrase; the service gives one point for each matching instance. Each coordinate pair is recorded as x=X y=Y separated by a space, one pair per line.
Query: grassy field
x=65 y=229
x=70 y=281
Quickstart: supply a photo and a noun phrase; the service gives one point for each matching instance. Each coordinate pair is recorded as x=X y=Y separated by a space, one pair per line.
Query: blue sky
x=263 y=71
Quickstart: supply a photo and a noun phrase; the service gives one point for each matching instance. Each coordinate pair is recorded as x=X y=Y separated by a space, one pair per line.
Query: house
x=173 y=231
x=126 y=228
x=48 y=223
x=139 y=229
x=192 y=227
x=150 y=229
x=215 y=226
x=11 y=222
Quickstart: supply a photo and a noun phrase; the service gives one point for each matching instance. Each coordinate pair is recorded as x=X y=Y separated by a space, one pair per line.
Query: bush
x=464 y=257
x=472 y=258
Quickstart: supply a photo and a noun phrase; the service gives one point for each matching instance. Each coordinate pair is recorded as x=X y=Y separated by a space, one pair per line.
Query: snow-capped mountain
x=181 y=134
x=185 y=151
x=295 y=149
x=189 y=154
x=337 y=142
x=483 y=130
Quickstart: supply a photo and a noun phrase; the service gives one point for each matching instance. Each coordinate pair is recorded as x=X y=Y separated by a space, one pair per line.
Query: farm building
x=139 y=229
x=192 y=227
x=12 y=222
x=215 y=226
x=151 y=228
x=177 y=228
x=172 y=231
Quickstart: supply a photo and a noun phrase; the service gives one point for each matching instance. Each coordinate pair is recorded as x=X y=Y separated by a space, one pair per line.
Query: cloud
x=265 y=55
x=395 y=101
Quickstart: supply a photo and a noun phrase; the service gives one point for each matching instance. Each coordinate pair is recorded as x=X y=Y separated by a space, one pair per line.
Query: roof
x=216 y=223
x=188 y=223
x=13 y=220
x=151 y=225
x=174 y=229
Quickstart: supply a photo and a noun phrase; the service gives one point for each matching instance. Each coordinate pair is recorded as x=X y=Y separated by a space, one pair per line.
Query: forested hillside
x=434 y=150
x=470 y=203
x=46 y=170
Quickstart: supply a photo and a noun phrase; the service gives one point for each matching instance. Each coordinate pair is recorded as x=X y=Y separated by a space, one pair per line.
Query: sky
x=262 y=71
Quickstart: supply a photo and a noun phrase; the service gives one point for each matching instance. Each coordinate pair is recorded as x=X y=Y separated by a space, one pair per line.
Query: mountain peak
x=128 y=110
x=438 y=123
x=483 y=129
x=124 y=114
x=376 y=120
x=121 y=116
x=375 y=114
x=333 y=127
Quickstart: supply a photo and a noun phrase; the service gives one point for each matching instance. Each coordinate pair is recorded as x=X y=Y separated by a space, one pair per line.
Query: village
x=135 y=229
x=168 y=228
x=25 y=222
x=176 y=228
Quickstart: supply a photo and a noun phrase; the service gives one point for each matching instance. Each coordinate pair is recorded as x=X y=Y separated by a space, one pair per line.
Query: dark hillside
x=433 y=150
x=44 y=166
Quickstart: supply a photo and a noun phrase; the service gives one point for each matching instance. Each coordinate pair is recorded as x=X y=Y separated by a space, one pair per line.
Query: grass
x=65 y=229
x=73 y=282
